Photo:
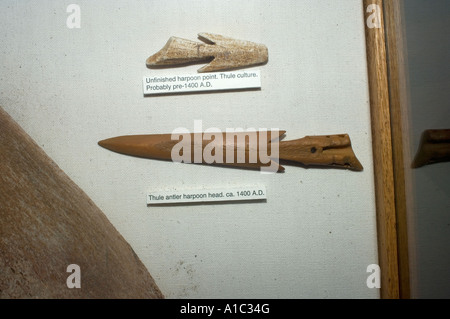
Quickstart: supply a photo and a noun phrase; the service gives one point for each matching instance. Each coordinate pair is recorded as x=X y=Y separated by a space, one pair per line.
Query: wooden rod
x=382 y=148
x=396 y=53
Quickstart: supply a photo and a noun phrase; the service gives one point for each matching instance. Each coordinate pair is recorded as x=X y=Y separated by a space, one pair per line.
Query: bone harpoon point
x=223 y=53
x=332 y=151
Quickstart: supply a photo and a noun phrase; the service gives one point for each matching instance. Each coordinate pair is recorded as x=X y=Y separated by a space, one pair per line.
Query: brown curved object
x=333 y=151
x=48 y=223
x=434 y=148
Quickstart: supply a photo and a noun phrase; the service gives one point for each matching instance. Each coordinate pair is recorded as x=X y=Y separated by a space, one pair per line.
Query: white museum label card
x=245 y=193
x=200 y=82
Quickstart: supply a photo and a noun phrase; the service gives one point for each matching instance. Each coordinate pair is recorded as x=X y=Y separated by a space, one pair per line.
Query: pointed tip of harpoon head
x=101 y=143
x=106 y=143
x=139 y=145
x=115 y=144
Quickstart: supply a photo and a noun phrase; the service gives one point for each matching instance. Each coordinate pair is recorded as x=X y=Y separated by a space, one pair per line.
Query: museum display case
x=333 y=223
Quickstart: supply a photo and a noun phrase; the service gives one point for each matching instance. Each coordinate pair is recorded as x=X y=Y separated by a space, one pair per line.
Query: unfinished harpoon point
x=223 y=53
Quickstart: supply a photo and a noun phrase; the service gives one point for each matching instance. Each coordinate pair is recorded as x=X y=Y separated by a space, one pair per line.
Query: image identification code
x=244 y=308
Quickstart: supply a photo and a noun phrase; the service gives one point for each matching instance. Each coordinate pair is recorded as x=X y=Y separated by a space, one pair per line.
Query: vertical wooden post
x=396 y=53
x=382 y=147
